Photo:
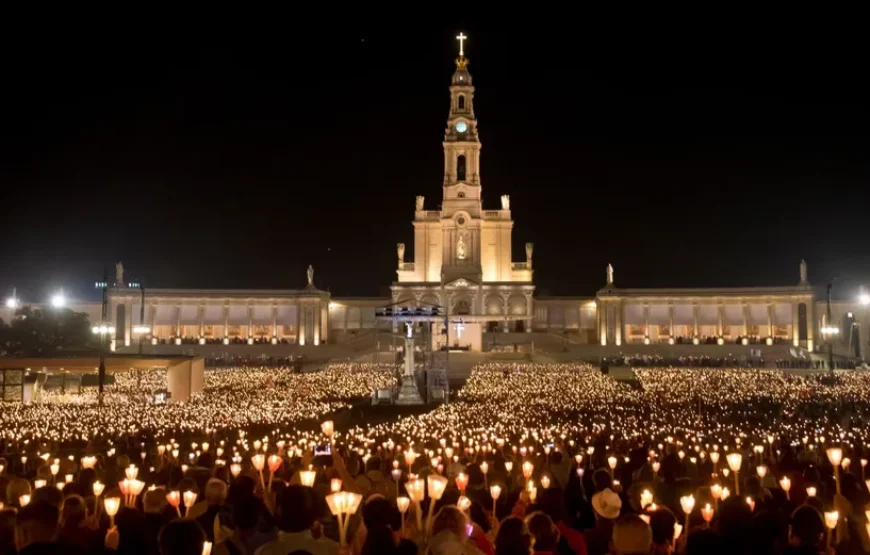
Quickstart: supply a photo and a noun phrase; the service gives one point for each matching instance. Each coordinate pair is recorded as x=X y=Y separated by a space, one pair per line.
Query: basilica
x=460 y=275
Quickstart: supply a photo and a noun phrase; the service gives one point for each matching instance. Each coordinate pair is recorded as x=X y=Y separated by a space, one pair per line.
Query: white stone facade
x=462 y=252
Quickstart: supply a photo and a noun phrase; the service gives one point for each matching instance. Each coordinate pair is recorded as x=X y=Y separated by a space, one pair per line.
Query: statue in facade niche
x=460 y=247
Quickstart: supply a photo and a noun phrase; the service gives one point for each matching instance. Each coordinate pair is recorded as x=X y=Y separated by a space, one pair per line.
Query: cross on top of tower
x=461 y=38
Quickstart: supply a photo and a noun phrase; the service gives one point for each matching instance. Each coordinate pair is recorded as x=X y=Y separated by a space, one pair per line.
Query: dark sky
x=236 y=157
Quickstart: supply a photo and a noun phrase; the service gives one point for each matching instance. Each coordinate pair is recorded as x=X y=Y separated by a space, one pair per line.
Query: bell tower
x=461 y=143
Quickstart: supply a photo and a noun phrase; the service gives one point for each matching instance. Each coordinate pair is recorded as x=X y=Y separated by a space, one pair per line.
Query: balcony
x=429 y=215
x=518 y=266
x=407 y=267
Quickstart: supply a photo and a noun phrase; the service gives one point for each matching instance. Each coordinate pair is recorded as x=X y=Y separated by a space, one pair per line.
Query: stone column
x=302 y=318
x=178 y=321
x=506 y=328
x=745 y=319
x=324 y=322
x=152 y=318
x=250 y=320
x=795 y=329
x=529 y=312
x=811 y=324
x=671 y=316
x=201 y=320
x=602 y=322
x=619 y=328
x=696 y=308
x=646 y=320
x=274 y=320
x=128 y=323
x=226 y=320
x=720 y=315
x=770 y=322
x=315 y=323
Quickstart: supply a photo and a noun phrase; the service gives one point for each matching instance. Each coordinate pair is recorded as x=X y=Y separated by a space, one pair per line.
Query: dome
x=461 y=76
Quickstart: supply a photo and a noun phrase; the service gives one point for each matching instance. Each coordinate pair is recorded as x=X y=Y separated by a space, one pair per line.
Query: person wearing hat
x=606 y=505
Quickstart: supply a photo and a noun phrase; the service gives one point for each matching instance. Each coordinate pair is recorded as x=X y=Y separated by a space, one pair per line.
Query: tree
x=35 y=332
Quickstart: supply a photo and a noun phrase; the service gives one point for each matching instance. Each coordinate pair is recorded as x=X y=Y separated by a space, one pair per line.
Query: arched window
x=460 y=102
x=460 y=168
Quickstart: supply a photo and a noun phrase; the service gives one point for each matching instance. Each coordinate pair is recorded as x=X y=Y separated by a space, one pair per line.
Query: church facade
x=462 y=265
x=463 y=261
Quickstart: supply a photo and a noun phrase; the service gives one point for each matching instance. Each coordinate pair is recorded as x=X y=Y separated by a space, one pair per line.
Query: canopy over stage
x=184 y=374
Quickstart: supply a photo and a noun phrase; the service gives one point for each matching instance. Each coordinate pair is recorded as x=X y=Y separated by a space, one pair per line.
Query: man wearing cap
x=606 y=504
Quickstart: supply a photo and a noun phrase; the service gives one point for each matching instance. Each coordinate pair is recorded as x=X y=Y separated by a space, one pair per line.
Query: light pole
x=830 y=331
x=103 y=330
x=13 y=302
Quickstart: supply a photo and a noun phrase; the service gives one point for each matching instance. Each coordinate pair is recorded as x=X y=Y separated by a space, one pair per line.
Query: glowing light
x=58 y=300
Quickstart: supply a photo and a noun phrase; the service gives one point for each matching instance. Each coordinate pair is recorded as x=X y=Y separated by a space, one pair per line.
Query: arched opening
x=462 y=307
x=460 y=168
x=494 y=305
x=461 y=102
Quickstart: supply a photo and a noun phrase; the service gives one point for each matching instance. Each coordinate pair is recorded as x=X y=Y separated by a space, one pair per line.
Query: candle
x=707 y=513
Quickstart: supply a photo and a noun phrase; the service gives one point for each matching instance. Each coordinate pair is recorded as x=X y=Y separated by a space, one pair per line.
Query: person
x=806 y=532
x=245 y=514
x=513 y=537
x=662 y=522
x=35 y=529
x=15 y=489
x=545 y=534
x=215 y=494
x=73 y=531
x=606 y=505
x=449 y=534
x=382 y=521
x=705 y=542
x=154 y=503
x=181 y=537
x=295 y=515
x=631 y=536
x=552 y=502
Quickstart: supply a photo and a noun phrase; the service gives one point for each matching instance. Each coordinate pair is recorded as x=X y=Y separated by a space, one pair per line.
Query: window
x=461 y=102
x=460 y=168
x=12 y=385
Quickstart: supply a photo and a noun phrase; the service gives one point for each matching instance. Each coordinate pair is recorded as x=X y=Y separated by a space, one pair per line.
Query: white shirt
x=298 y=541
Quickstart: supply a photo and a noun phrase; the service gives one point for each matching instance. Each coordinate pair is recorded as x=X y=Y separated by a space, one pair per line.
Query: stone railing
x=519 y=266
x=407 y=266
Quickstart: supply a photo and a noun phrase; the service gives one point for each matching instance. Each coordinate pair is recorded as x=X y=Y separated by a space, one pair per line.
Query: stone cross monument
x=408 y=393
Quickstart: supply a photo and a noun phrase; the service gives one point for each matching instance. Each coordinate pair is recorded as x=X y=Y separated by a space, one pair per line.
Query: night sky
x=235 y=158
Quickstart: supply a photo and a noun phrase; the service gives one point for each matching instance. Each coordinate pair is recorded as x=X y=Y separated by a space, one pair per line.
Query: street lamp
x=13 y=302
x=58 y=300
x=102 y=330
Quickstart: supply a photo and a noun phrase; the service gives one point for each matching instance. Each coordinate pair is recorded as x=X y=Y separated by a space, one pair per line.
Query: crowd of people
x=685 y=361
x=530 y=458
